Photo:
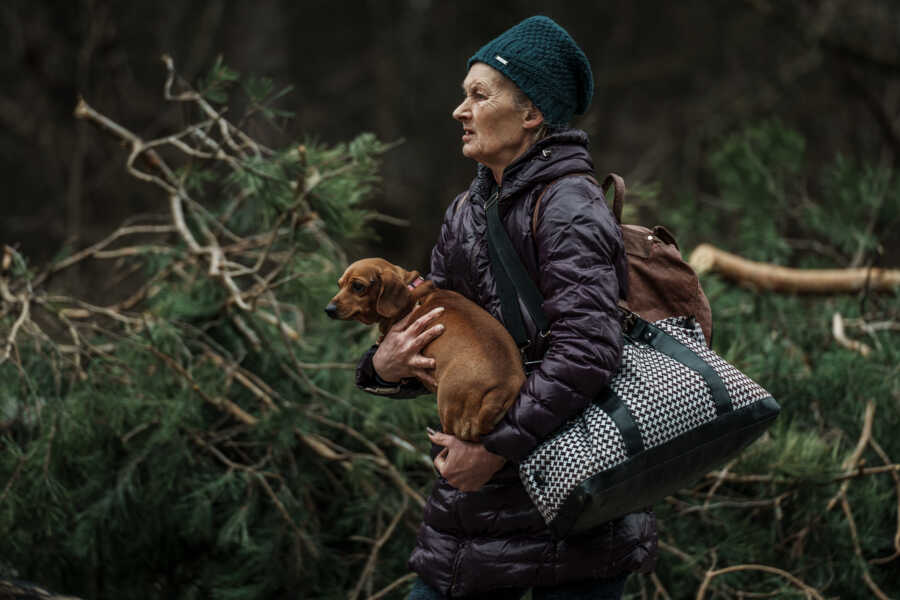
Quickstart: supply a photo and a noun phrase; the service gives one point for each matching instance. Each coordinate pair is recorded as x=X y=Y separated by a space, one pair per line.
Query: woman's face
x=496 y=129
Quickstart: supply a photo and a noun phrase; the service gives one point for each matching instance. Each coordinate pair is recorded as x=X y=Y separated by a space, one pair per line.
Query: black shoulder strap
x=513 y=281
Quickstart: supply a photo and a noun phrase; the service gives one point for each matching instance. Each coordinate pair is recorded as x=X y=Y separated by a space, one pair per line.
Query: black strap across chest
x=513 y=281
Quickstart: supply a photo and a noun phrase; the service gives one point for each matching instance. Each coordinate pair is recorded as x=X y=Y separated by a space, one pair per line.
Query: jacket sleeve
x=438 y=269
x=581 y=269
x=369 y=381
x=366 y=377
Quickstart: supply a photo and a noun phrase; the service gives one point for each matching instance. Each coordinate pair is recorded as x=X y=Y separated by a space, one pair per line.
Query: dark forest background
x=672 y=79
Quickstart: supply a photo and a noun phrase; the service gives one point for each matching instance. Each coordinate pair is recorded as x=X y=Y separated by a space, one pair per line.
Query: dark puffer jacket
x=478 y=541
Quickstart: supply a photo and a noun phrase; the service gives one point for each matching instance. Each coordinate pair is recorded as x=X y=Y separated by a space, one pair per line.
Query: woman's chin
x=469 y=152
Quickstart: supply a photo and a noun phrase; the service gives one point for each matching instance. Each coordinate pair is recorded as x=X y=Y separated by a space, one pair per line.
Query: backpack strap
x=611 y=179
x=618 y=195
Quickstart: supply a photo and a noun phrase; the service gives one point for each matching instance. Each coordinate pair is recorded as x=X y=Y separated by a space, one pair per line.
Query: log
x=774 y=278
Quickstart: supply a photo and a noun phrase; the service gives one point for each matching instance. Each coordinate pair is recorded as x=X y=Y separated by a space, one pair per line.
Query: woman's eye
x=357 y=287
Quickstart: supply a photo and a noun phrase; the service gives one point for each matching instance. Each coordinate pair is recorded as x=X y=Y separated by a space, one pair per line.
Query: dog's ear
x=393 y=297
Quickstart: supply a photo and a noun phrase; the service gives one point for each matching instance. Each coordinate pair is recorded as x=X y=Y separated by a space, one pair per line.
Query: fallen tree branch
x=807 y=589
x=884 y=457
x=774 y=278
x=390 y=587
x=369 y=569
x=11 y=338
x=840 y=336
x=851 y=461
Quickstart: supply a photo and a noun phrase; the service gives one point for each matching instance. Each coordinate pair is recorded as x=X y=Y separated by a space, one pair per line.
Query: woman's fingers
x=419 y=325
x=426 y=377
x=439 y=461
x=421 y=362
x=399 y=354
x=426 y=337
x=441 y=439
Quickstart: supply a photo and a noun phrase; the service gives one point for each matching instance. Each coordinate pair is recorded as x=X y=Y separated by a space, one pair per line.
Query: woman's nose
x=459 y=111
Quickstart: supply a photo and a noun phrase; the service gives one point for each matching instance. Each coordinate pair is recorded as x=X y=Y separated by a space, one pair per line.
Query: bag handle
x=612 y=179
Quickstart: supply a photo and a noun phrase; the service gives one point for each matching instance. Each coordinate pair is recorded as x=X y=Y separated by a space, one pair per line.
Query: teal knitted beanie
x=543 y=60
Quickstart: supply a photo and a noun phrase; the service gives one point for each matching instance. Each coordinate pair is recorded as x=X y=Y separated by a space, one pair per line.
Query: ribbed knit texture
x=543 y=60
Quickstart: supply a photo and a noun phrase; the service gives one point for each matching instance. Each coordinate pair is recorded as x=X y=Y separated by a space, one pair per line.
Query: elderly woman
x=481 y=534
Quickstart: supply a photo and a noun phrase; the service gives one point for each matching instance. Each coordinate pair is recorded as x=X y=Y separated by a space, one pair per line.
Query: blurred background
x=672 y=79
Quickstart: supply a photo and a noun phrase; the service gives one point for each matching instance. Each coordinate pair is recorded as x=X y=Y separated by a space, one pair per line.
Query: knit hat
x=543 y=60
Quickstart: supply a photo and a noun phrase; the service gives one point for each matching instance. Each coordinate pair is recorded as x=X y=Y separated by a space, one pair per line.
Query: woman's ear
x=533 y=117
x=393 y=296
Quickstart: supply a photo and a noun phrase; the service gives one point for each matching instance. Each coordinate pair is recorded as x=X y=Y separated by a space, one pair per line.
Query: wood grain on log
x=769 y=277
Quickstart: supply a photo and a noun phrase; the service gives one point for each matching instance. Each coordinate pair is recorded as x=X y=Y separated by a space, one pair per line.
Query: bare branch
x=764 y=276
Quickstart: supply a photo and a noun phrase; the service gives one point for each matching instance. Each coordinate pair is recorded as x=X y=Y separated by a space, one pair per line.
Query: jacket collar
x=551 y=158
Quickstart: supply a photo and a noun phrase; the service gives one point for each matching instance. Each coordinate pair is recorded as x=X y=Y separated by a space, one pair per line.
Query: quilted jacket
x=494 y=538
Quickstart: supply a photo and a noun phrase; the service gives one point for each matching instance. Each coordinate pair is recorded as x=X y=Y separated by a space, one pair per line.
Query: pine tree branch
x=369 y=569
x=25 y=301
x=850 y=463
x=753 y=478
x=225 y=127
x=380 y=458
x=14 y=477
x=660 y=588
x=887 y=461
x=392 y=586
x=221 y=403
x=301 y=535
x=857 y=549
x=96 y=248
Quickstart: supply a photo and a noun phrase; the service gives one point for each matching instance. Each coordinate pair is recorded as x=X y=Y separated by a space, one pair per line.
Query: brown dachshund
x=478 y=368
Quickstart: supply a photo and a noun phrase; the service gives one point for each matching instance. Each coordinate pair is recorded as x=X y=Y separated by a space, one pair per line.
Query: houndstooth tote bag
x=674 y=410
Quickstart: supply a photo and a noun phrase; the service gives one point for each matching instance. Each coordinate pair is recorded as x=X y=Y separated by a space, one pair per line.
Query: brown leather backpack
x=661 y=283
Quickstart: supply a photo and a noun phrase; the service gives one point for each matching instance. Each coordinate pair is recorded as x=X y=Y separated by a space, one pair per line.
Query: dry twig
x=810 y=591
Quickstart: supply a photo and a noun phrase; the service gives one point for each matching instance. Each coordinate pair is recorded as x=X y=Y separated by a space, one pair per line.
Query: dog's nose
x=331 y=311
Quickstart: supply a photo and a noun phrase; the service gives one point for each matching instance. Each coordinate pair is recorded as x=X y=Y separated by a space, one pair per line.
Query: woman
x=481 y=534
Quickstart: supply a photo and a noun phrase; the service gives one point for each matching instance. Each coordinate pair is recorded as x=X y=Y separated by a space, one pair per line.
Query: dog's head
x=372 y=290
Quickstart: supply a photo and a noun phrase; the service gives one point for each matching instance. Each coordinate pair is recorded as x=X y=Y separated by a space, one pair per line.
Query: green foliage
x=192 y=448
x=773 y=511
x=215 y=85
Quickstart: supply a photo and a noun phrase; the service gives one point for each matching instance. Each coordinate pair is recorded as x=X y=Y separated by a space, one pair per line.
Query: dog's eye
x=357 y=287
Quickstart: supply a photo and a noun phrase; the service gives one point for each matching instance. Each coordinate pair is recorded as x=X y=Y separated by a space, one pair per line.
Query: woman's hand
x=467 y=466
x=399 y=354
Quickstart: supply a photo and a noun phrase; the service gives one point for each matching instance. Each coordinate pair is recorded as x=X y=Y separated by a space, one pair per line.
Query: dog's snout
x=331 y=310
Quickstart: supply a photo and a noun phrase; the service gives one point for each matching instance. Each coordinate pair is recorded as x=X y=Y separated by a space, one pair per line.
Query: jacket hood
x=553 y=157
